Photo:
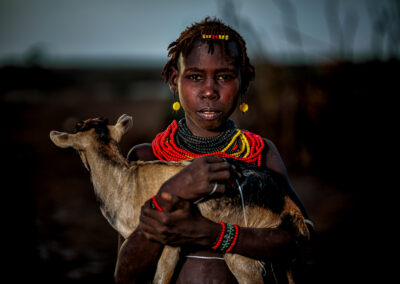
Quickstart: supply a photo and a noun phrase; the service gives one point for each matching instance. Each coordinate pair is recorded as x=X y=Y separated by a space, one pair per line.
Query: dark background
x=331 y=122
x=323 y=119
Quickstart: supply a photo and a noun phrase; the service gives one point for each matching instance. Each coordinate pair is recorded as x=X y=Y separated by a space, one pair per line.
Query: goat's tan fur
x=123 y=188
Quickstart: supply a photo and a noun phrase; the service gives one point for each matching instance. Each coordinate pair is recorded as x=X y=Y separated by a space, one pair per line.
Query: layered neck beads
x=203 y=145
x=177 y=143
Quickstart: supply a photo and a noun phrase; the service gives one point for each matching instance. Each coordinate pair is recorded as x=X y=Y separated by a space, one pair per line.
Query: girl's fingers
x=224 y=165
x=168 y=201
x=220 y=176
x=216 y=187
x=220 y=188
x=221 y=166
x=183 y=205
x=214 y=159
x=148 y=212
x=175 y=201
x=147 y=218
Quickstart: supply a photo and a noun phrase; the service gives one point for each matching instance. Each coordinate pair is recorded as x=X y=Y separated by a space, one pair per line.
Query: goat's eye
x=79 y=125
x=104 y=120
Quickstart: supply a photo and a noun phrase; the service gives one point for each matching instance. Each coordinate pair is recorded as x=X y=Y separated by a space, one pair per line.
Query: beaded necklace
x=203 y=145
x=177 y=143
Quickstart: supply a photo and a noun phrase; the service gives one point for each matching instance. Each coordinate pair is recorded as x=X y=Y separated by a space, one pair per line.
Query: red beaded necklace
x=165 y=148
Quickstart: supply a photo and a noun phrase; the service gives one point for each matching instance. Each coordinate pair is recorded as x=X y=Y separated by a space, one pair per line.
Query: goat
x=122 y=187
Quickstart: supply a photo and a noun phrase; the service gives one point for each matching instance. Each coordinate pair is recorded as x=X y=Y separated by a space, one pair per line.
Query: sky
x=280 y=30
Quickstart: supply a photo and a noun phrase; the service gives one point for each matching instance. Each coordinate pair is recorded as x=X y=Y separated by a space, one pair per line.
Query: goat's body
x=122 y=188
x=121 y=205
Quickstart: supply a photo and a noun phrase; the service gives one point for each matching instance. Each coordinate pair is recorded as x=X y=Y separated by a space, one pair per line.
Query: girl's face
x=208 y=87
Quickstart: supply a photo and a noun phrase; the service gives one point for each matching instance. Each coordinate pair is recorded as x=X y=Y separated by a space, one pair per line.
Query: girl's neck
x=206 y=133
x=191 y=142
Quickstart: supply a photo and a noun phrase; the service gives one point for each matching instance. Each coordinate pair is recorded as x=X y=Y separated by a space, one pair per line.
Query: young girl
x=209 y=70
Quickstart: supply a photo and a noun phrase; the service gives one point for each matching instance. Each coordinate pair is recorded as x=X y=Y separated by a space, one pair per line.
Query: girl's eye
x=225 y=77
x=194 y=77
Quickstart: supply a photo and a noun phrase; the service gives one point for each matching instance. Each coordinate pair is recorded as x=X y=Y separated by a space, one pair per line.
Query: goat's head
x=94 y=130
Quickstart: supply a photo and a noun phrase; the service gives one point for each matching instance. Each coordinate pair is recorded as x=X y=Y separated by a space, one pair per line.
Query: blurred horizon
x=136 y=33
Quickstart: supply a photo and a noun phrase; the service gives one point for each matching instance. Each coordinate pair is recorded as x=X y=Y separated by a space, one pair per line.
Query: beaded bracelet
x=154 y=204
x=227 y=238
x=221 y=235
x=234 y=238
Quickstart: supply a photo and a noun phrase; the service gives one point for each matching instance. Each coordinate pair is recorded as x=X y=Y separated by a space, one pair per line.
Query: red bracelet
x=234 y=239
x=156 y=204
x=221 y=235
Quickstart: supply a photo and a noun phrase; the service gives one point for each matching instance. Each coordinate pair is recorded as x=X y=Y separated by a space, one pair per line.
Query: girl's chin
x=212 y=126
x=208 y=125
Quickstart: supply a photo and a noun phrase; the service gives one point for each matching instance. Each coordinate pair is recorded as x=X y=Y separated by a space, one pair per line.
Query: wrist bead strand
x=227 y=238
x=234 y=239
x=221 y=235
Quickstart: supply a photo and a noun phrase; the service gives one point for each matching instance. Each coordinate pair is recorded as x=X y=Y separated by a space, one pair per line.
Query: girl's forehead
x=200 y=54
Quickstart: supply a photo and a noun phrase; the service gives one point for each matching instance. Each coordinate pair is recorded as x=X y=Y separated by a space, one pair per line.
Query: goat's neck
x=108 y=170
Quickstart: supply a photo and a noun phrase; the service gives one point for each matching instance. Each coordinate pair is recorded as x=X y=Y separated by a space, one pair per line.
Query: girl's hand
x=179 y=223
x=199 y=178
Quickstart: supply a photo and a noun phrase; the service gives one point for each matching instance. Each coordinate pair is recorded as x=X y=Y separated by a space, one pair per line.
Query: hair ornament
x=211 y=36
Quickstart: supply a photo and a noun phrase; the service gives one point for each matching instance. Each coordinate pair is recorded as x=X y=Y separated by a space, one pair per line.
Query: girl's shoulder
x=141 y=152
x=272 y=159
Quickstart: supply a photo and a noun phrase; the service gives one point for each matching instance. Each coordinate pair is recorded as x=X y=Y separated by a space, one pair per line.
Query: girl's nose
x=210 y=90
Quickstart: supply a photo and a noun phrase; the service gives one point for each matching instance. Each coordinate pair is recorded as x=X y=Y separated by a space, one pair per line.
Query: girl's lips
x=209 y=114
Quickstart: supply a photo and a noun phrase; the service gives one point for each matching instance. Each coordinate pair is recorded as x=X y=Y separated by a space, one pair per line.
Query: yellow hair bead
x=244 y=107
x=176 y=106
x=214 y=36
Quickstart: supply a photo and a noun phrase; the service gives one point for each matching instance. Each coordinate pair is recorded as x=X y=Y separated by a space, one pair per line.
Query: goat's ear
x=124 y=123
x=61 y=139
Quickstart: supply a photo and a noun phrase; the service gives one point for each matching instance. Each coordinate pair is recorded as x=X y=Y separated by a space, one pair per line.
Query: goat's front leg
x=166 y=265
x=246 y=270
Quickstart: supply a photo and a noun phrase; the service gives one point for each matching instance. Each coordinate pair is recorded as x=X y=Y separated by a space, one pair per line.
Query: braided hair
x=186 y=40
